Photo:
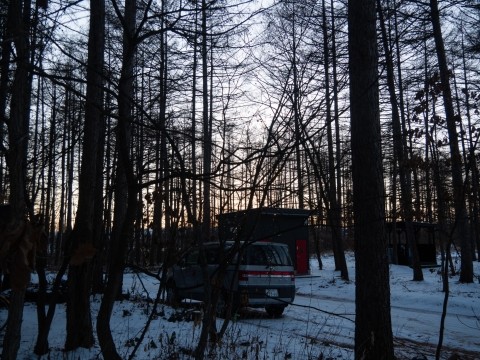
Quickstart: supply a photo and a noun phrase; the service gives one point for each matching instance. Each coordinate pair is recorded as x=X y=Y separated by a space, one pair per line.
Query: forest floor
x=319 y=325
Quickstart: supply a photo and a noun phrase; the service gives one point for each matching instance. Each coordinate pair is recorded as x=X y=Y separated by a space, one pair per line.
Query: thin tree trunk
x=472 y=164
x=164 y=160
x=70 y=162
x=98 y=218
x=62 y=211
x=296 y=116
x=194 y=125
x=4 y=84
x=125 y=194
x=207 y=136
x=461 y=222
x=338 y=154
x=428 y=176
x=208 y=320
x=42 y=345
x=401 y=154
x=334 y=208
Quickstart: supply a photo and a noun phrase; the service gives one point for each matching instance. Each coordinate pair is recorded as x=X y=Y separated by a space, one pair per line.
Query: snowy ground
x=318 y=326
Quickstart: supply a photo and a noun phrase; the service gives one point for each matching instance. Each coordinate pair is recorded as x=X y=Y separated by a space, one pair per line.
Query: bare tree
x=373 y=328
x=15 y=232
x=461 y=219
x=206 y=124
x=401 y=154
x=334 y=210
x=4 y=85
x=79 y=322
x=126 y=185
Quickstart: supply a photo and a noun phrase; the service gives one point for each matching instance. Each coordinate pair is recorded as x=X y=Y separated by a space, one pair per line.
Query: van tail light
x=245 y=275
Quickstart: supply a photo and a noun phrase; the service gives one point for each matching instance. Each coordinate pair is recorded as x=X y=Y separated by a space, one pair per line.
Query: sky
x=319 y=325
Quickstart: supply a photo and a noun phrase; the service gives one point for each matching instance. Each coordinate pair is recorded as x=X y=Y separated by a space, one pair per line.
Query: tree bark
x=207 y=136
x=11 y=342
x=79 y=321
x=334 y=216
x=18 y=27
x=125 y=194
x=296 y=115
x=373 y=329
x=461 y=221
x=401 y=154
x=4 y=84
x=472 y=165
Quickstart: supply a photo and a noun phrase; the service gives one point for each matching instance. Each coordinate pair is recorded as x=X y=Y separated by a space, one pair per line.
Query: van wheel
x=172 y=295
x=274 y=311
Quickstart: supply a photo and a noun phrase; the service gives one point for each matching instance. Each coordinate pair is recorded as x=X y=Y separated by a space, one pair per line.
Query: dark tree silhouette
x=373 y=329
x=79 y=321
x=17 y=232
x=461 y=217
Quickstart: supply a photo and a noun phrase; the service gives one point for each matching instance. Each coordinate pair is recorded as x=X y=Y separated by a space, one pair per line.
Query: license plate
x=271 y=292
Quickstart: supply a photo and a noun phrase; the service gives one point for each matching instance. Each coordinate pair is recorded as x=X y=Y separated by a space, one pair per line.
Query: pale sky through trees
x=214 y=106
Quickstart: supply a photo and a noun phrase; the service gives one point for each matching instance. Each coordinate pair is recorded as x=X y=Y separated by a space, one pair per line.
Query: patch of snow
x=320 y=323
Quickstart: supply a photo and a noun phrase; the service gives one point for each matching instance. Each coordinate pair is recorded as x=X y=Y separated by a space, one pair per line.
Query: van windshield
x=267 y=255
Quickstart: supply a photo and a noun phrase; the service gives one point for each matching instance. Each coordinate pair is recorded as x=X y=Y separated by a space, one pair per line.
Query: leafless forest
x=126 y=127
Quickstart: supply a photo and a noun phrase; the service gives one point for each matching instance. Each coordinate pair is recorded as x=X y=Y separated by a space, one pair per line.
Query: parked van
x=259 y=275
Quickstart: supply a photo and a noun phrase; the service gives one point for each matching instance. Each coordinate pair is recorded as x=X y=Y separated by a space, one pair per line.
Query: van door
x=191 y=275
x=268 y=275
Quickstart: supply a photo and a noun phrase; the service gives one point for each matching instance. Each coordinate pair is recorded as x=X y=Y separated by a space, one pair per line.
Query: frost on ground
x=319 y=325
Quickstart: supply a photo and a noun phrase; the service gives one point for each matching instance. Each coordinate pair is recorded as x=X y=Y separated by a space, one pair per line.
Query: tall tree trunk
x=4 y=88
x=208 y=323
x=373 y=328
x=59 y=238
x=338 y=154
x=42 y=251
x=334 y=216
x=164 y=160
x=18 y=28
x=472 y=164
x=70 y=148
x=428 y=175
x=79 y=321
x=207 y=136
x=461 y=221
x=194 y=125
x=42 y=346
x=98 y=218
x=400 y=153
x=296 y=116
x=125 y=194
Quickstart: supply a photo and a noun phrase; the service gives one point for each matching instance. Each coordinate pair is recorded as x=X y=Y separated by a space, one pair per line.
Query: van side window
x=257 y=256
x=212 y=256
x=273 y=256
x=277 y=255
x=192 y=258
